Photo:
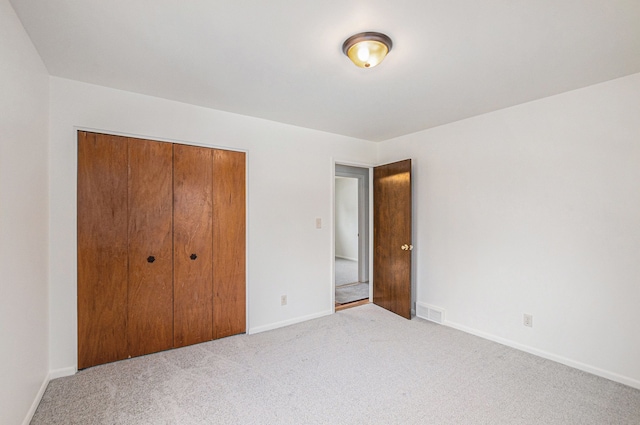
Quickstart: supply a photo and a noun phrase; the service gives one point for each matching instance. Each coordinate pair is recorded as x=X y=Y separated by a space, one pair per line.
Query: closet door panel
x=192 y=247
x=150 y=318
x=229 y=218
x=102 y=249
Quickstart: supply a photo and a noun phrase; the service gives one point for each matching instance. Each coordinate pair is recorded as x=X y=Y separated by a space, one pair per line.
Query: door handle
x=407 y=247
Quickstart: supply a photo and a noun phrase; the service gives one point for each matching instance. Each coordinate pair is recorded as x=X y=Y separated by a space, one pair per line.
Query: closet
x=161 y=246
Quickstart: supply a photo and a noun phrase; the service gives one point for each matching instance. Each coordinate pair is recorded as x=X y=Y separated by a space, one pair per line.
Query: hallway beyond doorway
x=348 y=289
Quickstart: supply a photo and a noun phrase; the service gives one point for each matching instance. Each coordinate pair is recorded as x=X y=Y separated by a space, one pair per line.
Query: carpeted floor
x=352 y=292
x=348 y=289
x=346 y=271
x=359 y=366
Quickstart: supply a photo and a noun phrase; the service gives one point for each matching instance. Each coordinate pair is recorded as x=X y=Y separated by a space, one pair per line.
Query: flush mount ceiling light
x=367 y=49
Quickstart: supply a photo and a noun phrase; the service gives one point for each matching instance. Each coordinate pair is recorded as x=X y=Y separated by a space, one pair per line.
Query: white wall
x=290 y=176
x=24 y=199
x=346 y=218
x=530 y=209
x=536 y=209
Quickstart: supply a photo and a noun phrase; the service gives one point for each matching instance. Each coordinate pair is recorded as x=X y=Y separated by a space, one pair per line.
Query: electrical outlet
x=528 y=320
x=283 y=300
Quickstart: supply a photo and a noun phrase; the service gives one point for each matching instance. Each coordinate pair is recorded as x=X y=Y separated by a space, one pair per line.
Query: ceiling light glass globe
x=367 y=54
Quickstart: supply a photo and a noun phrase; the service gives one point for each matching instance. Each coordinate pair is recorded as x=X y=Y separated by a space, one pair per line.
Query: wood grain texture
x=391 y=230
x=229 y=240
x=139 y=199
x=102 y=249
x=192 y=235
x=150 y=315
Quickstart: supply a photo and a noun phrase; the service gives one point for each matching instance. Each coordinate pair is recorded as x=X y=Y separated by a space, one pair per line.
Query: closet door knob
x=151 y=259
x=193 y=256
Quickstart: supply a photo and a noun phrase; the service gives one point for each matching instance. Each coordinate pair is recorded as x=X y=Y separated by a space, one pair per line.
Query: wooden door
x=150 y=315
x=392 y=237
x=102 y=249
x=161 y=246
x=229 y=286
x=192 y=245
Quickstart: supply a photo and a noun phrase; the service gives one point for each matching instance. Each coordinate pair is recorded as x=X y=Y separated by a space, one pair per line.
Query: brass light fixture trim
x=367 y=49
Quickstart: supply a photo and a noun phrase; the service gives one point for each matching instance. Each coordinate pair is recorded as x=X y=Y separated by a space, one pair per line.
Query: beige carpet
x=348 y=289
x=352 y=292
x=346 y=271
x=359 y=366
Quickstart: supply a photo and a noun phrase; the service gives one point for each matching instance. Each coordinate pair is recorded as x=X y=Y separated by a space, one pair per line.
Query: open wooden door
x=392 y=237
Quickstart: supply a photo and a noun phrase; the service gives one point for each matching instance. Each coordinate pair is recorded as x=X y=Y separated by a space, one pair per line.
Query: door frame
x=367 y=212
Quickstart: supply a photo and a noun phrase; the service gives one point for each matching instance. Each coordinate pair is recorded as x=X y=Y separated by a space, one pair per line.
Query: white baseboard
x=288 y=322
x=550 y=356
x=58 y=373
x=346 y=258
x=36 y=402
x=61 y=373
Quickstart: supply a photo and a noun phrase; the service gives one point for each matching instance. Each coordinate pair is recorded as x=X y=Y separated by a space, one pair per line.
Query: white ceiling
x=282 y=59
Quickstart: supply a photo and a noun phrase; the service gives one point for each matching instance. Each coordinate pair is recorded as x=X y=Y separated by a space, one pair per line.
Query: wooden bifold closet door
x=229 y=285
x=161 y=246
x=193 y=245
x=102 y=249
x=150 y=301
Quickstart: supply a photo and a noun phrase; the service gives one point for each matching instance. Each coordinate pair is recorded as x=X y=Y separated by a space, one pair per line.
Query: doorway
x=351 y=262
x=390 y=285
